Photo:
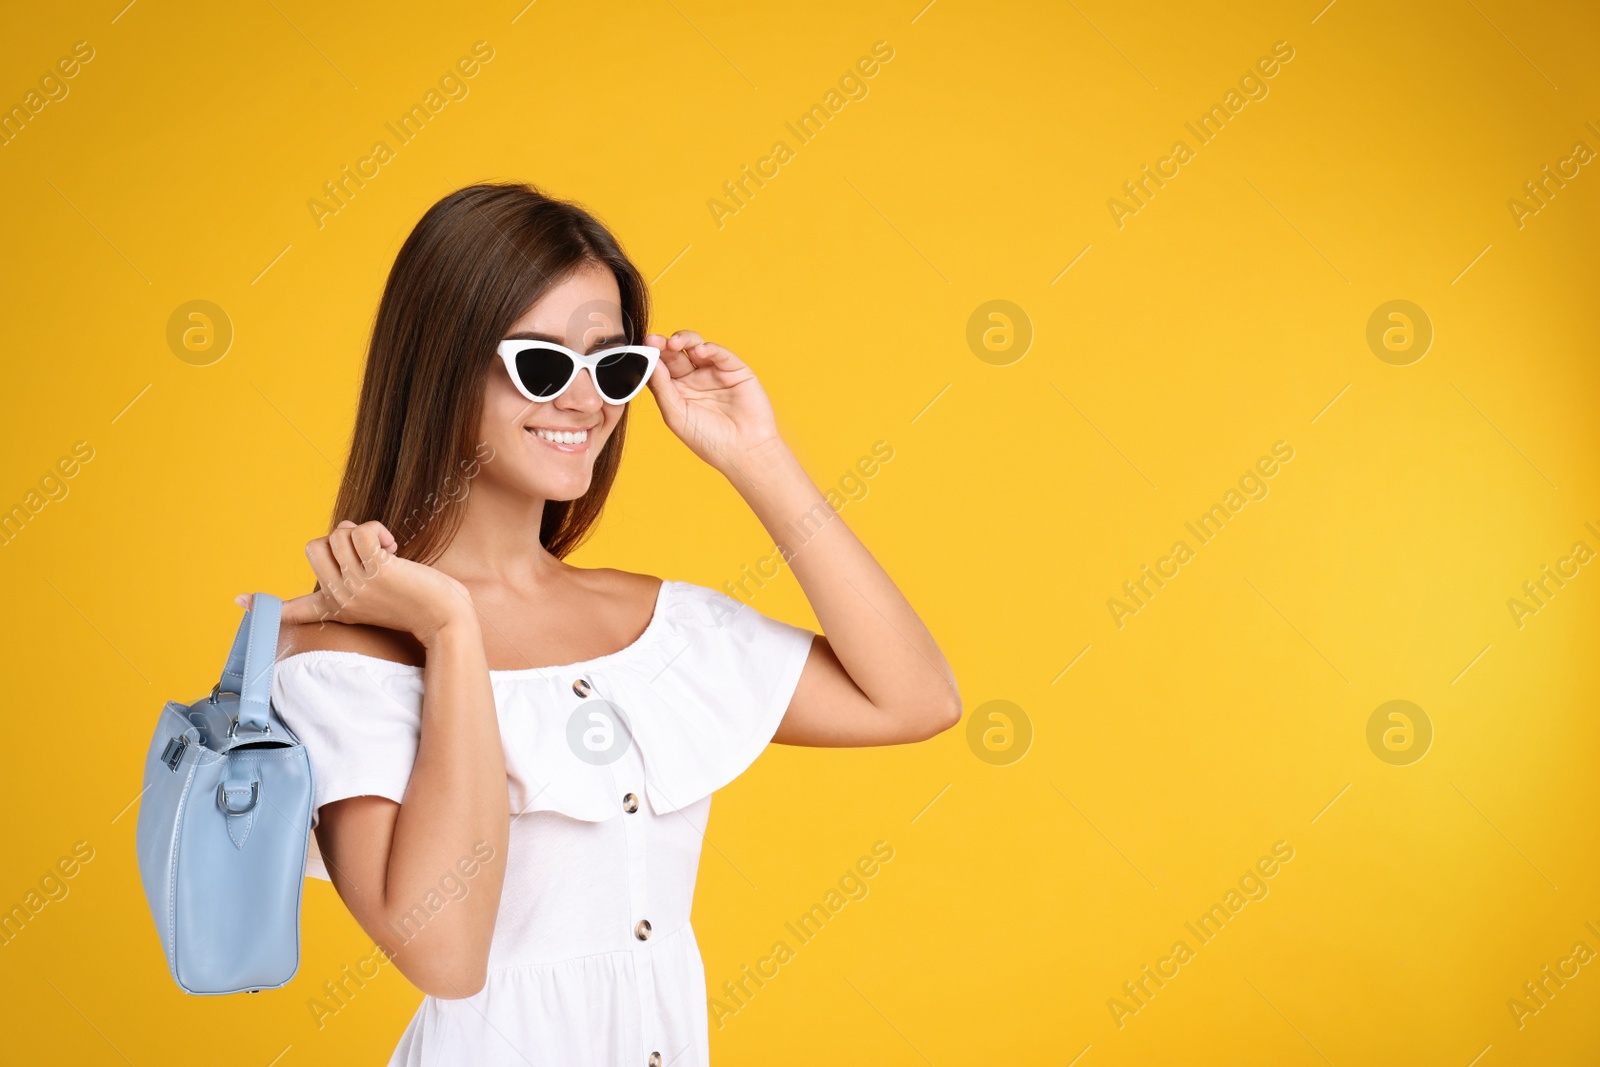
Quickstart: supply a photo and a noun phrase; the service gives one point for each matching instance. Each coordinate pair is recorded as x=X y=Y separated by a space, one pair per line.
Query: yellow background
x=1228 y=314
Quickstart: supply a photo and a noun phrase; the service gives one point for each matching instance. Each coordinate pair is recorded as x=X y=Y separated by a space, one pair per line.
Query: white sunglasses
x=542 y=370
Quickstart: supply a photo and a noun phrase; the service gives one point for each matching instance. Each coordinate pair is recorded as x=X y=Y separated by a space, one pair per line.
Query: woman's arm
x=388 y=860
x=877 y=677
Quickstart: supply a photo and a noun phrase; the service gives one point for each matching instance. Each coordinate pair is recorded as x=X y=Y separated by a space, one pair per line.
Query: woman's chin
x=564 y=488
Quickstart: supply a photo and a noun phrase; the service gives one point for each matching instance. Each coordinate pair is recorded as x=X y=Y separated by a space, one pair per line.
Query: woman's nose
x=582 y=394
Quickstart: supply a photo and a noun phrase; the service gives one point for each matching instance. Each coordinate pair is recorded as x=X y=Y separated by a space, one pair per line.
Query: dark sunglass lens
x=620 y=374
x=542 y=371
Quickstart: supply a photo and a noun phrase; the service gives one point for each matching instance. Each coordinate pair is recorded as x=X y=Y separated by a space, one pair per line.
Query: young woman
x=469 y=665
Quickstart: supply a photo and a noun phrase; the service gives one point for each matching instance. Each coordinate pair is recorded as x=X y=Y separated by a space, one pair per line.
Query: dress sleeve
x=728 y=675
x=360 y=724
x=766 y=656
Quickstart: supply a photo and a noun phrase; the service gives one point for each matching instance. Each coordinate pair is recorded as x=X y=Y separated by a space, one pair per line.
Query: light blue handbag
x=224 y=823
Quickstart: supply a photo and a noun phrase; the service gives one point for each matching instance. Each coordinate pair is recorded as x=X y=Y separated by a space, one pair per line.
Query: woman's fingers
x=686 y=351
x=665 y=392
x=374 y=527
x=360 y=550
x=384 y=536
x=367 y=540
x=326 y=567
x=343 y=562
x=342 y=541
x=302 y=609
x=710 y=354
x=344 y=558
x=676 y=362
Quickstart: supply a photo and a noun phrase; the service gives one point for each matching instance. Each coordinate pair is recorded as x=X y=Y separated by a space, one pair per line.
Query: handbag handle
x=251 y=659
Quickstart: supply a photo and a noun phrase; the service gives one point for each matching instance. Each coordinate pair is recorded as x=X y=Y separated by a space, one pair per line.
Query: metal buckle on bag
x=233 y=728
x=216 y=689
x=172 y=755
x=222 y=799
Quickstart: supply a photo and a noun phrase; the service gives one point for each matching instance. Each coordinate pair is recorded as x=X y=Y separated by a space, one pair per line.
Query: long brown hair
x=474 y=263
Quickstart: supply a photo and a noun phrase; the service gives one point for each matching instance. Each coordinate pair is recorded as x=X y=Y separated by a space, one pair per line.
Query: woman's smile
x=576 y=441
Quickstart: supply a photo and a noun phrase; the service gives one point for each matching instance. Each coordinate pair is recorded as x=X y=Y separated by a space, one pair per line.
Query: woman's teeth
x=564 y=437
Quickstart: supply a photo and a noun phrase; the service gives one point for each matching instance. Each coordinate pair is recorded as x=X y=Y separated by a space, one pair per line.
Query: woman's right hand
x=364 y=582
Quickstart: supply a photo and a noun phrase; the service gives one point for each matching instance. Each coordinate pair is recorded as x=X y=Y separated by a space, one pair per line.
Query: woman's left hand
x=711 y=399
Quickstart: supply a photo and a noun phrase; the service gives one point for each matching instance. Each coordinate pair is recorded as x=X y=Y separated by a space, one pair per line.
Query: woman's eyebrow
x=530 y=335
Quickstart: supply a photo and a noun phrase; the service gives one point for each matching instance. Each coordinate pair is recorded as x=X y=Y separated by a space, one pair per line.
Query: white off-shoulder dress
x=610 y=766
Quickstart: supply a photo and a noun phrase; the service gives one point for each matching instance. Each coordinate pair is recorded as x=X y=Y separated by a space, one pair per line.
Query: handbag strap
x=248 y=671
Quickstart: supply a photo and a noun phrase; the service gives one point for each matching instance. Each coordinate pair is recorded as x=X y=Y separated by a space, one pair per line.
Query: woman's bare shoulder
x=626 y=589
x=374 y=641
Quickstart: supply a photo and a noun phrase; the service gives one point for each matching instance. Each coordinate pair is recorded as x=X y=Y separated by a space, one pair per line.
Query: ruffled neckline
x=703 y=688
x=621 y=657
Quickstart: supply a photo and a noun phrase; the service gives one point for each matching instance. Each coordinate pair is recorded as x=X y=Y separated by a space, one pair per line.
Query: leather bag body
x=224 y=822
